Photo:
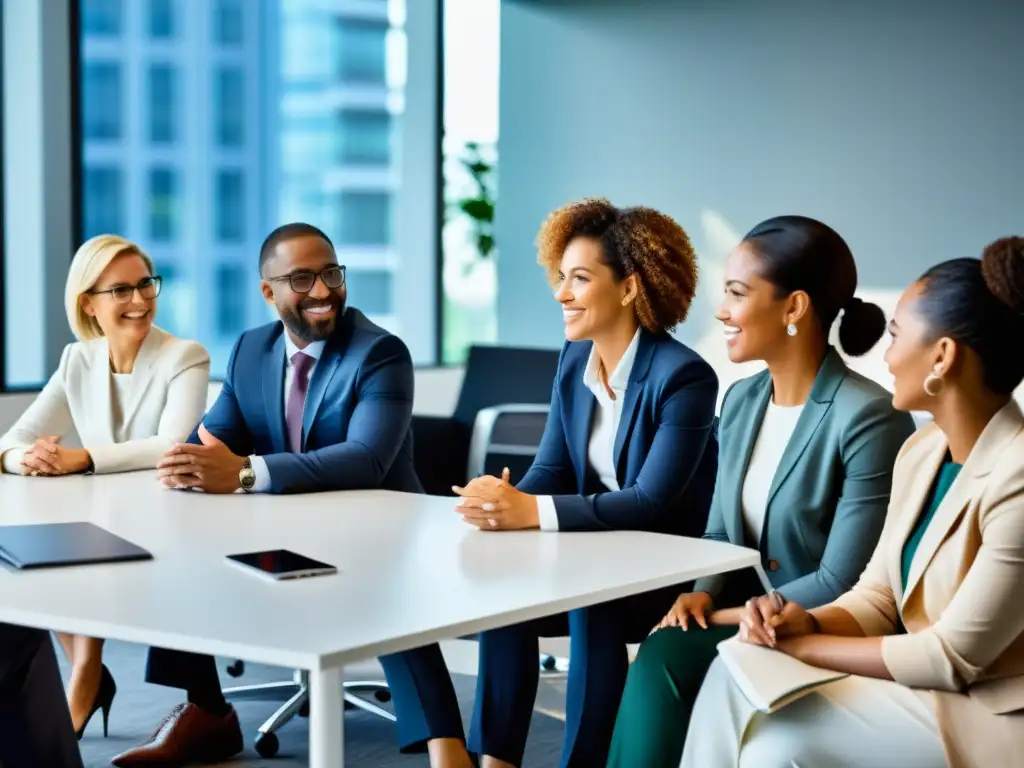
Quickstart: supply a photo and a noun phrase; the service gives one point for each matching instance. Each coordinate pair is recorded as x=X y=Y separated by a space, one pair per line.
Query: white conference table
x=411 y=572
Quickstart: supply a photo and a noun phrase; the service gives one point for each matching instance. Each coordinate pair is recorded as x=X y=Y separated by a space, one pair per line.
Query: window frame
x=75 y=219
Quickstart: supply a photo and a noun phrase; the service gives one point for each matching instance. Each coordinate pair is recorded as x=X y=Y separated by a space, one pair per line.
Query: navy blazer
x=356 y=431
x=665 y=451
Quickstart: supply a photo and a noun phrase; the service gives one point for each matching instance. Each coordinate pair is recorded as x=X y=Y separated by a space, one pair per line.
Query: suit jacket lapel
x=749 y=420
x=830 y=376
x=273 y=392
x=331 y=360
x=583 y=404
x=1002 y=428
x=631 y=400
x=142 y=374
x=99 y=380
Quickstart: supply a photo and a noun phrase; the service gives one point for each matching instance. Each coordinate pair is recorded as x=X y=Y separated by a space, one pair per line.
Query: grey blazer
x=828 y=501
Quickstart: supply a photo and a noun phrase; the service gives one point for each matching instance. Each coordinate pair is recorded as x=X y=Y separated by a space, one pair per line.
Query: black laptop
x=48 y=545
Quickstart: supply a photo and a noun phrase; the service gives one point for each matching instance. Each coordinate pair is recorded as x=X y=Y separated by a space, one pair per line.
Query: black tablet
x=281 y=564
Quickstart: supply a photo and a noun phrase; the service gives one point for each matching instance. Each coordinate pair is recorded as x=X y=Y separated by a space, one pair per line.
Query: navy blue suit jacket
x=665 y=452
x=356 y=422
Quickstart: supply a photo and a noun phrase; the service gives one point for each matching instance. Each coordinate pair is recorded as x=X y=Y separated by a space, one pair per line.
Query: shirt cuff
x=259 y=468
x=12 y=461
x=546 y=513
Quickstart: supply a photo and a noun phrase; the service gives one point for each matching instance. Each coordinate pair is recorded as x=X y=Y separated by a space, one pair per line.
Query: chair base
x=295 y=695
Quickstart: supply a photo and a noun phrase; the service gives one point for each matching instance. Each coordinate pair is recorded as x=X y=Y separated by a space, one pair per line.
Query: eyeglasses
x=148 y=288
x=332 y=276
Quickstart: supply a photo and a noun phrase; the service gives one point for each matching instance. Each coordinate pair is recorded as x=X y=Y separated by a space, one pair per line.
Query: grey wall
x=899 y=123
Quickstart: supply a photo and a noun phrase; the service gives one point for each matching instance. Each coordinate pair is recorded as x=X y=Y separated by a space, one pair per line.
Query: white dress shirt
x=314 y=349
x=772 y=438
x=604 y=427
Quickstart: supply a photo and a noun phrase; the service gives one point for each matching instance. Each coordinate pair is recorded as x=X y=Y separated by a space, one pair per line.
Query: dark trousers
x=421 y=689
x=509 y=673
x=35 y=723
x=663 y=684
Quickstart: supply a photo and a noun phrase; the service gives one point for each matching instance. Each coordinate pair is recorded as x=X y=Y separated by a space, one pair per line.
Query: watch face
x=247 y=477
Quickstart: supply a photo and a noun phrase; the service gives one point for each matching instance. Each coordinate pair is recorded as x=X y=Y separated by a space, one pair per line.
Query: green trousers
x=661 y=689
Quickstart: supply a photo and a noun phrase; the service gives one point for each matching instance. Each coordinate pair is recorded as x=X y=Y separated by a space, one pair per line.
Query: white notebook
x=768 y=678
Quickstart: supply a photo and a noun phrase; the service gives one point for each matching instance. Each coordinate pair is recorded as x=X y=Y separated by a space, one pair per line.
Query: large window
x=364 y=137
x=101 y=111
x=365 y=218
x=229 y=106
x=101 y=18
x=161 y=18
x=228 y=22
x=471 y=43
x=229 y=203
x=361 y=47
x=163 y=103
x=103 y=195
x=163 y=205
x=205 y=124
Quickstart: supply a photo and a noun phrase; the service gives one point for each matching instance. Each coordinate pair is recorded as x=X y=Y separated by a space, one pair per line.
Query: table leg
x=759 y=570
x=326 y=719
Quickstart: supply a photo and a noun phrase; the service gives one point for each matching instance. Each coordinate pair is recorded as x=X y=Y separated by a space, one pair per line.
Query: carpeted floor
x=369 y=740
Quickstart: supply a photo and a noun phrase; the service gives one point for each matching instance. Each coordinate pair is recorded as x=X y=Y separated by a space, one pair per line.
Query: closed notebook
x=771 y=679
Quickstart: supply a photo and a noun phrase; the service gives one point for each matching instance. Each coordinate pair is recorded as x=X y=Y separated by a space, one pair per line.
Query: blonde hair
x=89 y=263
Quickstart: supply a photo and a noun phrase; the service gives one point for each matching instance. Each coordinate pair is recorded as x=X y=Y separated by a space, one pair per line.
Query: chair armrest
x=496 y=429
x=440 y=450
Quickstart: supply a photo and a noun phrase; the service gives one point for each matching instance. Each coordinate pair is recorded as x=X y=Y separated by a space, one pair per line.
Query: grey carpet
x=369 y=740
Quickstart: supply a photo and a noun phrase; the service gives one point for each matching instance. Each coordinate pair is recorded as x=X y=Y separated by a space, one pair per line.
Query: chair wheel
x=382 y=695
x=549 y=663
x=237 y=669
x=267 y=744
x=304 y=710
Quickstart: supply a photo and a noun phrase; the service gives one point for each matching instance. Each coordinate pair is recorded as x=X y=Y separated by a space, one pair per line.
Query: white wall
x=437 y=389
x=897 y=123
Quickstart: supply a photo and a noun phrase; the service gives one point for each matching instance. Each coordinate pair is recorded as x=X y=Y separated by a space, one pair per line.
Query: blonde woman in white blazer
x=128 y=389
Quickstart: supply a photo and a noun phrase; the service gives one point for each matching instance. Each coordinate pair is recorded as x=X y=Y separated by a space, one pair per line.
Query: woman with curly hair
x=932 y=634
x=628 y=445
x=806 y=455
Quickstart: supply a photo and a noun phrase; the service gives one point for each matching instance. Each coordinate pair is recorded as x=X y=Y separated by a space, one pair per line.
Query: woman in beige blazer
x=128 y=389
x=933 y=633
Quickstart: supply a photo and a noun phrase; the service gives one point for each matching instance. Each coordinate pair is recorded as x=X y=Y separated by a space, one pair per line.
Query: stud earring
x=791 y=329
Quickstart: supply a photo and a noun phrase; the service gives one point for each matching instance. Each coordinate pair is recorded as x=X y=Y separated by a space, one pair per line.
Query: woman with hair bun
x=933 y=632
x=806 y=450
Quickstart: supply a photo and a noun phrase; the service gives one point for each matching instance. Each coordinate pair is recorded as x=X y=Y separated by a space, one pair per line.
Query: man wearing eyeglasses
x=319 y=401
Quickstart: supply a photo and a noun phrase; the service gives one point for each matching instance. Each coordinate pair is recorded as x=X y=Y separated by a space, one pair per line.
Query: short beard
x=301 y=328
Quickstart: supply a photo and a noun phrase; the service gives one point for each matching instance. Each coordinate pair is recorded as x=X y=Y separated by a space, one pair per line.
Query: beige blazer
x=964 y=602
x=165 y=400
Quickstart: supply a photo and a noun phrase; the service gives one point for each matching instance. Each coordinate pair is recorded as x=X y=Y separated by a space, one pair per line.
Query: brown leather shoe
x=187 y=735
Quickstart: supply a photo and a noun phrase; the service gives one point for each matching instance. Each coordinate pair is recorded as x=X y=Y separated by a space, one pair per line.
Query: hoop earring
x=791 y=329
x=930 y=380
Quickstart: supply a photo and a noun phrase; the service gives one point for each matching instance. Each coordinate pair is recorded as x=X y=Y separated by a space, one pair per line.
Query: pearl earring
x=791 y=329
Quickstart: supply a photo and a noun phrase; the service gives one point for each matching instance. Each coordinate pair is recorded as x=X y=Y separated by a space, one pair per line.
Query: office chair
x=295 y=695
x=494 y=376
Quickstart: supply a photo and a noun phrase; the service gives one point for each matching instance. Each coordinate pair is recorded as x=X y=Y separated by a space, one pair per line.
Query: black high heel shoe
x=104 y=698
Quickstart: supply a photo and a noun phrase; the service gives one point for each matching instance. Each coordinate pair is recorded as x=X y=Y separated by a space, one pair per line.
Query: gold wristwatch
x=247 y=475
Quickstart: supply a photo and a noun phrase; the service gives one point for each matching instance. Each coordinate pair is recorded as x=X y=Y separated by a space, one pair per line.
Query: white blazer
x=166 y=399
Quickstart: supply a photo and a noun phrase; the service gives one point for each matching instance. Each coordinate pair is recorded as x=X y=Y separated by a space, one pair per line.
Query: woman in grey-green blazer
x=806 y=450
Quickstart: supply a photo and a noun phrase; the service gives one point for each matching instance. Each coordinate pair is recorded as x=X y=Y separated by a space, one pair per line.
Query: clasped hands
x=46 y=457
x=211 y=466
x=768 y=620
x=494 y=504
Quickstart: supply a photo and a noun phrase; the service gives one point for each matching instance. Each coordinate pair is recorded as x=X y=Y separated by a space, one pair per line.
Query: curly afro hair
x=638 y=241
